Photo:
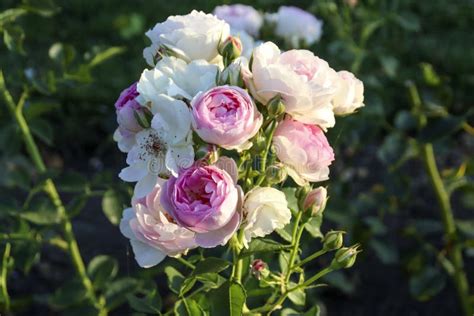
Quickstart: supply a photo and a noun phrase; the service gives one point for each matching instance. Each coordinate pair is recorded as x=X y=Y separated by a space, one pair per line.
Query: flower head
x=304 y=149
x=204 y=199
x=240 y=17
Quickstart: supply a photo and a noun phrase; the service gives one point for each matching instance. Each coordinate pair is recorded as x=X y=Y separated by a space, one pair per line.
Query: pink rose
x=204 y=200
x=240 y=17
x=304 y=150
x=125 y=108
x=315 y=200
x=305 y=82
x=226 y=116
x=152 y=232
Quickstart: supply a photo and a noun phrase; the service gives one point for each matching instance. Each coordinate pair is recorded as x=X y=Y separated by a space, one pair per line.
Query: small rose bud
x=232 y=75
x=333 y=240
x=259 y=144
x=230 y=49
x=315 y=200
x=143 y=116
x=345 y=257
x=259 y=269
x=275 y=107
x=276 y=174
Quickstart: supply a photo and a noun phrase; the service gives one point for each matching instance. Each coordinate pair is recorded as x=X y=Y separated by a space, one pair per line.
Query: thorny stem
x=453 y=246
x=50 y=189
x=451 y=235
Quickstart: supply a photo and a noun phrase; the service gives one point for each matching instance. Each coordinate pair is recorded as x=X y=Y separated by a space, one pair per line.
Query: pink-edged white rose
x=349 y=95
x=304 y=149
x=240 y=17
x=296 y=25
x=152 y=232
x=265 y=209
x=226 y=116
x=125 y=108
x=305 y=82
x=191 y=37
x=204 y=199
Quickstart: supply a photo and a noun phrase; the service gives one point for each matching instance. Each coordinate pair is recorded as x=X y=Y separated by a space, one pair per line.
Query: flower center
x=152 y=146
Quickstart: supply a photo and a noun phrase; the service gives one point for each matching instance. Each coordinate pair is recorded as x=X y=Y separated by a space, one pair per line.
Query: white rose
x=305 y=82
x=349 y=95
x=176 y=78
x=192 y=36
x=296 y=25
x=240 y=17
x=265 y=209
x=163 y=149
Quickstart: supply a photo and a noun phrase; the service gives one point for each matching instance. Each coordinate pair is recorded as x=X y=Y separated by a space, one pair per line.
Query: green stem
x=53 y=194
x=238 y=262
x=295 y=241
x=184 y=262
x=3 y=280
x=451 y=235
x=310 y=258
x=264 y=156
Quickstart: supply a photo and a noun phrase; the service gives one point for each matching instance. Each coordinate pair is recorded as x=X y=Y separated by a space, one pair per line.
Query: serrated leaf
x=188 y=307
x=298 y=297
x=150 y=304
x=231 y=297
x=210 y=265
x=41 y=212
x=105 y=55
x=313 y=226
x=102 y=269
x=175 y=279
x=259 y=245
x=112 y=206
x=116 y=292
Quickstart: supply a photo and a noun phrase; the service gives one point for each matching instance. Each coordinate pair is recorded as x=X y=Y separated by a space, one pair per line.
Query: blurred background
x=75 y=57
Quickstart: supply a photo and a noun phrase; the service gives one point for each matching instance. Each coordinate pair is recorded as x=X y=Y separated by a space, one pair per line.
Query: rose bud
x=232 y=74
x=230 y=49
x=128 y=127
x=275 y=107
x=143 y=116
x=345 y=257
x=259 y=269
x=275 y=174
x=315 y=200
x=333 y=240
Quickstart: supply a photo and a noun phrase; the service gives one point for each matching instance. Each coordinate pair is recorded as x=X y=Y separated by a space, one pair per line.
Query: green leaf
x=314 y=311
x=298 y=297
x=63 y=54
x=43 y=130
x=13 y=36
x=105 y=55
x=35 y=109
x=290 y=194
x=389 y=65
x=188 y=307
x=286 y=232
x=102 y=269
x=258 y=245
x=71 y=182
x=429 y=75
x=150 y=304
x=210 y=265
x=439 y=128
x=112 y=206
x=386 y=252
x=71 y=293
x=313 y=226
x=175 y=279
x=211 y=280
x=117 y=291
x=427 y=284
x=10 y=15
x=42 y=212
x=45 y=8
x=231 y=297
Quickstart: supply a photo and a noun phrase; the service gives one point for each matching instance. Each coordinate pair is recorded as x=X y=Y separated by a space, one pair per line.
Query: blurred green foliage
x=74 y=57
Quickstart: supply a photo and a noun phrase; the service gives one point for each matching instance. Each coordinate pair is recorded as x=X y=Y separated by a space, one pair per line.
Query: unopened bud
x=345 y=257
x=276 y=174
x=230 y=49
x=315 y=200
x=275 y=106
x=259 y=269
x=333 y=240
x=259 y=144
x=143 y=116
x=231 y=75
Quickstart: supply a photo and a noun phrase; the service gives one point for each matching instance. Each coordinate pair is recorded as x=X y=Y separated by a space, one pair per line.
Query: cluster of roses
x=200 y=109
